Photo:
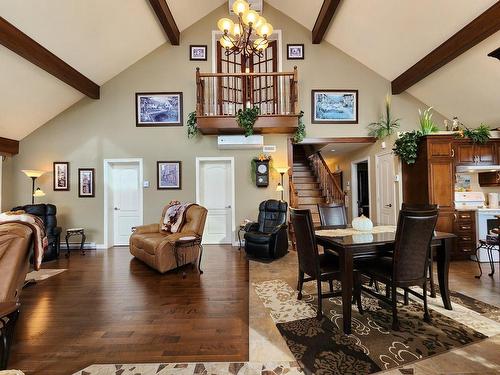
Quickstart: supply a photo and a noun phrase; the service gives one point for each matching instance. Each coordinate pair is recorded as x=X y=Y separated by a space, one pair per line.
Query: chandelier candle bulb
x=225 y=25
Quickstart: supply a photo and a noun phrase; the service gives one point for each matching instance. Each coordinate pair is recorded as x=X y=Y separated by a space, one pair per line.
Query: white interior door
x=386 y=189
x=215 y=192
x=125 y=187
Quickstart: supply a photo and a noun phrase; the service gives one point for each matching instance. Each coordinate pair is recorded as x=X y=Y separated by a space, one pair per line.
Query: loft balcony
x=219 y=97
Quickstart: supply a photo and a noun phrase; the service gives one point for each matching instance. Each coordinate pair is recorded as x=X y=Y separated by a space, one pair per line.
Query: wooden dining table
x=348 y=248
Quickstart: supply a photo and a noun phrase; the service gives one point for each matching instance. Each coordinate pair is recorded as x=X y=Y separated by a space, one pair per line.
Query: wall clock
x=262 y=173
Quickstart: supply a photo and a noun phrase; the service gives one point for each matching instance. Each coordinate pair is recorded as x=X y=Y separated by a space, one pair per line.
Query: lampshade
x=282 y=169
x=279 y=187
x=236 y=31
x=250 y=17
x=261 y=21
x=39 y=193
x=225 y=42
x=240 y=6
x=225 y=25
x=265 y=30
x=260 y=44
x=32 y=173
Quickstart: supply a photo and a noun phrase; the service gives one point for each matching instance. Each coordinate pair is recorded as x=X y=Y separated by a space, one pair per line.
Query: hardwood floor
x=111 y=308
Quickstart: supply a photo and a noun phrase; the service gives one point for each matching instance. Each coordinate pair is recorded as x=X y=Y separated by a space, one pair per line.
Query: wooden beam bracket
x=9 y=146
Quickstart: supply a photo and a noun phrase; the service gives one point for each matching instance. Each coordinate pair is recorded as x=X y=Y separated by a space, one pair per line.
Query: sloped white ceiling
x=98 y=38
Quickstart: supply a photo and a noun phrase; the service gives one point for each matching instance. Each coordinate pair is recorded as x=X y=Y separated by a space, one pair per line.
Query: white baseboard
x=86 y=246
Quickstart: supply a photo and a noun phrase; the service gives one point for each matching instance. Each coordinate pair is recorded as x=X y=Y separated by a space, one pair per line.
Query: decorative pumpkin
x=362 y=223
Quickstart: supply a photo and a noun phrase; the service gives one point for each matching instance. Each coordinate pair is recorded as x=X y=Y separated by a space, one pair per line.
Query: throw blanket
x=175 y=216
x=40 y=241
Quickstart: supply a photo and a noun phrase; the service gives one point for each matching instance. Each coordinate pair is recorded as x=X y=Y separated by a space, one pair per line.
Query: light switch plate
x=146 y=184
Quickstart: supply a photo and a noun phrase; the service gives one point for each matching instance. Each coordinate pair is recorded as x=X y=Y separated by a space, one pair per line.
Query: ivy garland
x=246 y=119
x=300 y=133
x=479 y=135
x=406 y=146
x=192 y=125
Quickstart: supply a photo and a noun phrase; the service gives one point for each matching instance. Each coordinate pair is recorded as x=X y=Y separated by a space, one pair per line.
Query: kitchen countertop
x=483 y=209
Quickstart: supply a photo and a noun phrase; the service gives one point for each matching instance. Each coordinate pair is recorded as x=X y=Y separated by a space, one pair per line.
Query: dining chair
x=318 y=267
x=409 y=263
x=332 y=214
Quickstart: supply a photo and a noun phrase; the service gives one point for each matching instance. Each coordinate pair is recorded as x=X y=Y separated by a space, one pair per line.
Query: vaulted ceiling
x=102 y=38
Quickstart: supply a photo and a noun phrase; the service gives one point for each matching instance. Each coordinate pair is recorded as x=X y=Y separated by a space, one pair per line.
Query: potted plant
x=386 y=126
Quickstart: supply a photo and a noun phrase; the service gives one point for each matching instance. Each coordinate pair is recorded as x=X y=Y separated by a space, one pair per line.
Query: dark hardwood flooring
x=111 y=308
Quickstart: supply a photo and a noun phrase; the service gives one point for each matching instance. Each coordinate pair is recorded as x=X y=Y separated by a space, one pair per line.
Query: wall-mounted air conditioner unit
x=239 y=142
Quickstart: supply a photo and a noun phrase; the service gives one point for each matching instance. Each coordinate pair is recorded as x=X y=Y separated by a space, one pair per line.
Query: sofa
x=15 y=247
x=155 y=247
x=267 y=239
x=46 y=212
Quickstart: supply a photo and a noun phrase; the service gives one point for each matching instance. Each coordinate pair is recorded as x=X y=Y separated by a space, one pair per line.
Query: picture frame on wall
x=198 y=53
x=169 y=175
x=158 y=109
x=60 y=171
x=334 y=106
x=86 y=182
x=295 y=51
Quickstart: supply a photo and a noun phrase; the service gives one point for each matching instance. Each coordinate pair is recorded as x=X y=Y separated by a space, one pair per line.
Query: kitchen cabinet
x=465 y=229
x=468 y=153
x=488 y=179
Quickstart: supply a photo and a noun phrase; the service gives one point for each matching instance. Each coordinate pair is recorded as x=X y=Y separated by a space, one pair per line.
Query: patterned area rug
x=43 y=274
x=215 y=368
x=321 y=348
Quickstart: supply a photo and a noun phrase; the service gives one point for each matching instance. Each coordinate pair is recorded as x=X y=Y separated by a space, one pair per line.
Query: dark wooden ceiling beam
x=9 y=146
x=167 y=20
x=21 y=44
x=475 y=32
x=324 y=19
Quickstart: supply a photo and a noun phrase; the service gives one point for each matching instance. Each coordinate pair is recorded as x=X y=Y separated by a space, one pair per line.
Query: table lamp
x=34 y=174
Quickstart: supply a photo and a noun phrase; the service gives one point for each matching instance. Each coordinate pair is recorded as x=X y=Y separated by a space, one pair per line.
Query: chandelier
x=248 y=35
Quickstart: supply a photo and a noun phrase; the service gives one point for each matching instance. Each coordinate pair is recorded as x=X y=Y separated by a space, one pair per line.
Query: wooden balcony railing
x=327 y=182
x=219 y=97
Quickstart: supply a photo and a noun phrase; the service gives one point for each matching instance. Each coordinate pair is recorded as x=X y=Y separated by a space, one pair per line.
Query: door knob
x=117 y=209
x=388 y=205
x=228 y=206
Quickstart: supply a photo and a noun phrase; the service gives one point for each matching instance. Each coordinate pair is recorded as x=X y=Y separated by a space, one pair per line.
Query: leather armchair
x=156 y=247
x=15 y=246
x=268 y=237
x=46 y=212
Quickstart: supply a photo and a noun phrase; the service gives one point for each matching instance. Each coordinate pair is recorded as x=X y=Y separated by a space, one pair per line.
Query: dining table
x=350 y=247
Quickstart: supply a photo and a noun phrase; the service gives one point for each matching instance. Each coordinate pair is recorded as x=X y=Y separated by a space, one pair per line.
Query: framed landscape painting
x=334 y=106
x=86 y=182
x=158 y=109
x=169 y=175
x=61 y=176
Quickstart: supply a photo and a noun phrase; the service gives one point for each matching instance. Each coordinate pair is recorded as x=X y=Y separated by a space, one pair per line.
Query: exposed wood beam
x=475 y=32
x=325 y=16
x=167 y=20
x=9 y=146
x=20 y=43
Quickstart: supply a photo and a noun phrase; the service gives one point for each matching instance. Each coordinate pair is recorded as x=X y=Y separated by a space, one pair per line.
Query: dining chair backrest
x=305 y=241
x=413 y=237
x=333 y=214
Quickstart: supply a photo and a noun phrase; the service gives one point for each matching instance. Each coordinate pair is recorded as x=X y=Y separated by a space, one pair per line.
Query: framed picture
x=158 y=109
x=169 y=175
x=334 y=106
x=61 y=175
x=198 y=53
x=295 y=51
x=86 y=182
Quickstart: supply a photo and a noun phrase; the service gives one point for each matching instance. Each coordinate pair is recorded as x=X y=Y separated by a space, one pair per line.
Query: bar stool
x=491 y=243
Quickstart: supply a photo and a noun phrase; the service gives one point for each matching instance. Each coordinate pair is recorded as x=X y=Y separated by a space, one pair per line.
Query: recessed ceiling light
x=495 y=54
x=333 y=150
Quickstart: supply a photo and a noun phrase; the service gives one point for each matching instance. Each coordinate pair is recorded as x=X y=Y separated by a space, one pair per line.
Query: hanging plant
x=406 y=146
x=387 y=125
x=192 y=125
x=479 y=135
x=246 y=119
x=300 y=133
x=253 y=164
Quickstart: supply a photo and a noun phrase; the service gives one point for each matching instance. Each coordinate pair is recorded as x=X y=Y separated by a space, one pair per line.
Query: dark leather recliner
x=268 y=238
x=46 y=212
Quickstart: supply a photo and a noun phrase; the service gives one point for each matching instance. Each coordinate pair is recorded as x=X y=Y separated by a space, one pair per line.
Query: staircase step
x=300 y=168
x=306 y=186
x=311 y=200
x=309 y=193
x=304 y=180
x=312 y=207
x=304 y=173
x=303 y=163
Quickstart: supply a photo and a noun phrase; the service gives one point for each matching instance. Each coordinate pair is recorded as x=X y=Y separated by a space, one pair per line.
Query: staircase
x=307 y=186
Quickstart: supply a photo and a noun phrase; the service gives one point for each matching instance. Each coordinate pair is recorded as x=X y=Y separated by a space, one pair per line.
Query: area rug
x=206 y=368
x=43 y=274
x=320 y=347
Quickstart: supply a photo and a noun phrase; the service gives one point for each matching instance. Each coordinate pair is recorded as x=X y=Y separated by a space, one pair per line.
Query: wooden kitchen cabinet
x=465 y=229
x=489 y=179
x=468 y=153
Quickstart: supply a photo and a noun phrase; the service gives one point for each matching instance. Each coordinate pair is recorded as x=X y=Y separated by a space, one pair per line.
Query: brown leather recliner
x=156 y=247
x=15 y=246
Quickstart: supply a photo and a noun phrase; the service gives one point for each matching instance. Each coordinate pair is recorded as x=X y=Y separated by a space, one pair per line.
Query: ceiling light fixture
x=248 y=36
x=495 y=54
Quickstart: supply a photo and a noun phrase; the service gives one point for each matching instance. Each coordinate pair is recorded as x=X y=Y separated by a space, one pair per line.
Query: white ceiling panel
x=187 y=12
x=304 y=12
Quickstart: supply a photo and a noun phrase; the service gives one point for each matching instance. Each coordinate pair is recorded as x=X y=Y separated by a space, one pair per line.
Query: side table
x=180 y=256
x=75 y=232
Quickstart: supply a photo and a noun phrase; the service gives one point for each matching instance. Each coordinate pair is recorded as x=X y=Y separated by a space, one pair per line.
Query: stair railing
x=293 y=194
x=327 y=182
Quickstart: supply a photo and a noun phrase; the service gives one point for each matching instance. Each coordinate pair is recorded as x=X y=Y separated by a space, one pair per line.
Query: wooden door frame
x=377 y=184
x=107 y=166
x=233 y=189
